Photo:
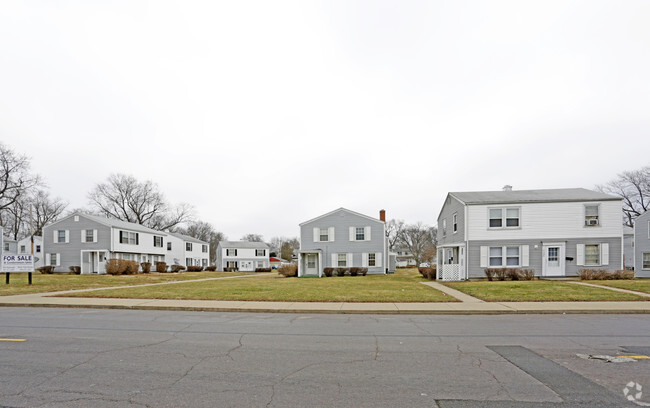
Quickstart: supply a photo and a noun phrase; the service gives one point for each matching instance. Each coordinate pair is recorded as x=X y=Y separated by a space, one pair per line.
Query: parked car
x=425 y=265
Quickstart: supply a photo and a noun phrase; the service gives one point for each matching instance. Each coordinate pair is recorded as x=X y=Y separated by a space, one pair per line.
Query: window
x=324 y=235
x=188 y=261
x=188 y=246
x=6 y=246
x=231 y=252
x=204 y=249
x=90 y=236
x=260 y=252
x=342 y=260
x=371 y=260
x=512 y=256
x=38 y=248
x=500 y=217
x=454 y=223
x=53 y=259
x=646 y=260
x=444 y=227
x=130 y=238
x=204 y=262
x=60 y=236
x=496 y=256
x=157 y=241
x=592 y=255
x=22 y=249
x=232 y=264
x=260 y=264
x=360 y=234
x=591 y=215
x=169 y=246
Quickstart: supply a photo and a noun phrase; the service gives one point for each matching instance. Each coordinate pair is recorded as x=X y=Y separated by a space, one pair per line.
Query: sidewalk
x=467 y=305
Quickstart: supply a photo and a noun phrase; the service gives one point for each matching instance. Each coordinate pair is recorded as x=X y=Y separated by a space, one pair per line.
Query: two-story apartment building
x=25 y=247
x=642 y=245
x=556 y=232
x=187 y=251
x=244 y=256
x=343 y=238
x=89 y=241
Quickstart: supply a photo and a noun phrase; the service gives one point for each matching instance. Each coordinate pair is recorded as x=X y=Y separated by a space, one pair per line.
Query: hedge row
x=428 y=272
x=602 y=274
x=353 y=271
x=514 y=274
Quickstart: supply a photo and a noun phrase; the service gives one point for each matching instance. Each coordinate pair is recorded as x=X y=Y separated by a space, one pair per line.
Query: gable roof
x=531 y=196
x=110 y=222
x=186 y=238
x=341 y=209
x=244 y=244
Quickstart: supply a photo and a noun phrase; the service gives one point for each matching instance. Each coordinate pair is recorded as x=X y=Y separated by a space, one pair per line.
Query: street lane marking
x=13 y=339
x=638 y=357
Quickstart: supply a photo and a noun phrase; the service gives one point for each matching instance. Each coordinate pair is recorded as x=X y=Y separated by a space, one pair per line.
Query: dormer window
x=591 y=215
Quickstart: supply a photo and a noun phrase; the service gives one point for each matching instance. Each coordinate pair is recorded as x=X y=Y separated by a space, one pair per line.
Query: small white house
x=187 y=251
x=25 y=247
x=243 y=256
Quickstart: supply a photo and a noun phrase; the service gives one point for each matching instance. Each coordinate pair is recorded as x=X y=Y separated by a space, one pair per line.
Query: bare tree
x=15 y=177
x=394 y=231
x=15 y=218
x=45 y=210
x=125 y=198
x=205 y=232
x=253 y=238
x=284 y=245
x=417 y=238
x=634 y=188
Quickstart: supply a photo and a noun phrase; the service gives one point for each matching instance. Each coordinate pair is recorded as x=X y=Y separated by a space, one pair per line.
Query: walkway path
x=633 y=292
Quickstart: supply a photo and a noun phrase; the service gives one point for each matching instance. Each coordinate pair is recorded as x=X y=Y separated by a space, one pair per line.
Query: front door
x=246 y=266
x=311 y=264
x=101 y=262
x=553 y=260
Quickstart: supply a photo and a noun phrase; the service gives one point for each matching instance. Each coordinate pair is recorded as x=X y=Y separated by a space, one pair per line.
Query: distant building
x=243 y=256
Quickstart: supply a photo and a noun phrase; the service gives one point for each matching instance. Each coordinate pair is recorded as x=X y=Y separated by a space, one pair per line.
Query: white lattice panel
x=451 y=272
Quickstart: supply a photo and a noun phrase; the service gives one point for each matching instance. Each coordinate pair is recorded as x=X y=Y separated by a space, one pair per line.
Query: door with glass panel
x=553 y=259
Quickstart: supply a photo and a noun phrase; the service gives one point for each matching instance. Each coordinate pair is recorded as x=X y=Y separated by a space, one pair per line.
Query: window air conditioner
x=592 y=221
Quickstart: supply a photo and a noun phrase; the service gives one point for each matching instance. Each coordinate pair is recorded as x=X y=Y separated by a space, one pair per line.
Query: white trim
x=341 y=209
x=561 y=257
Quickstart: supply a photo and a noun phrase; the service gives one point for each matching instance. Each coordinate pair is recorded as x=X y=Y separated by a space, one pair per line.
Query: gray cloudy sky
x=265 y=114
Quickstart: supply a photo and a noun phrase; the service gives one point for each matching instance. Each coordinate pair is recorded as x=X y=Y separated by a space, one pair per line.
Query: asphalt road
x=123 y=358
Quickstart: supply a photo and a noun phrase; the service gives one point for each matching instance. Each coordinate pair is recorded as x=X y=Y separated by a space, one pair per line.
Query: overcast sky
x=266 y=114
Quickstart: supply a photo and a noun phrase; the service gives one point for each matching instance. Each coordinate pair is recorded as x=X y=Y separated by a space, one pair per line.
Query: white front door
x=461 y=262
x=311 y=264
x=553 y=259
x=246 y=266
x=101 y=262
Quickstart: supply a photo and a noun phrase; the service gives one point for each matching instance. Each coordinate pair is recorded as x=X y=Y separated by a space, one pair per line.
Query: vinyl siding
x=535 y=254
x=540 y=220
x=341 y=221
x=243 y=255
x=641 y=244
x=451 y=206
x=70 y=253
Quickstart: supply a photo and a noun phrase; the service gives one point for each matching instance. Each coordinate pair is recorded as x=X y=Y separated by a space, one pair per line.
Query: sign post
x=19 y=264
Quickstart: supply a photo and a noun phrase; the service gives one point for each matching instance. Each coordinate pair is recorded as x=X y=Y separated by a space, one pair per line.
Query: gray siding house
x=628 y=247
x=642 y=245
x=343 y=238
x=556 y=232
x=89 y=241
x=244 y=256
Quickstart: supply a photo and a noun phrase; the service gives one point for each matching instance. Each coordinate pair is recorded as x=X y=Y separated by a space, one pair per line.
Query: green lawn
x=639 y=285
x=53 y=283
x=404 y=286
x=538 y=291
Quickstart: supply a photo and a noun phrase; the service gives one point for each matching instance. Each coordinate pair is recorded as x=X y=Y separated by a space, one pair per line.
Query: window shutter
x=137 y=238
x=83 y=235
x=335 y=260
x=121 y=232
x=580 y=255
x=378 y=258
x=58 y=259
x=604 y=253
x=55 y=238
x=364 y=260
x=235 y=252
x=330 y=234
x=484 y=257
x=352 y=234
x=316 y=234
x=47 y=259
x=348 y=260
x=366 y=233
x=67 y=236
x=524 y=255
x=94 y=235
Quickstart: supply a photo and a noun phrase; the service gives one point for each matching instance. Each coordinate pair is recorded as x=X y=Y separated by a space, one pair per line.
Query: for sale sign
x=17 y=263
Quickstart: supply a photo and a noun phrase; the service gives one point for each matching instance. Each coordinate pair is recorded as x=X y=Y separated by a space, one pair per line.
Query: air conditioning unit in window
x=592 y=222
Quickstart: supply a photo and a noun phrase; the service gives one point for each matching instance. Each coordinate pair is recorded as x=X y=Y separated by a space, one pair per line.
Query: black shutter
x=137 y=238
x=121 y=237
x=235 y=252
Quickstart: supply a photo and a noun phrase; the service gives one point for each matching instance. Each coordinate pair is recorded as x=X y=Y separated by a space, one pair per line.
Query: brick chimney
x=382 y=215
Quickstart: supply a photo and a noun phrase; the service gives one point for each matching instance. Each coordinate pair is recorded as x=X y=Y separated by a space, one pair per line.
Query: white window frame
x=169 y=246
x=504 y=218
x=204 y=249
x=129 y=238
x=155 y=243
x=504 y=256
x=188 y=246
x=643 y=264
x=53 y=259
x=231 y=252
x=598 y=261
x=444 y=227
x=58 y=236
x=372 y=259
x=321 y=235
x=345 y=260
x=500 y=257
x=357 y=234
x=592 y=217
x=257 y=252
x=454 y=223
